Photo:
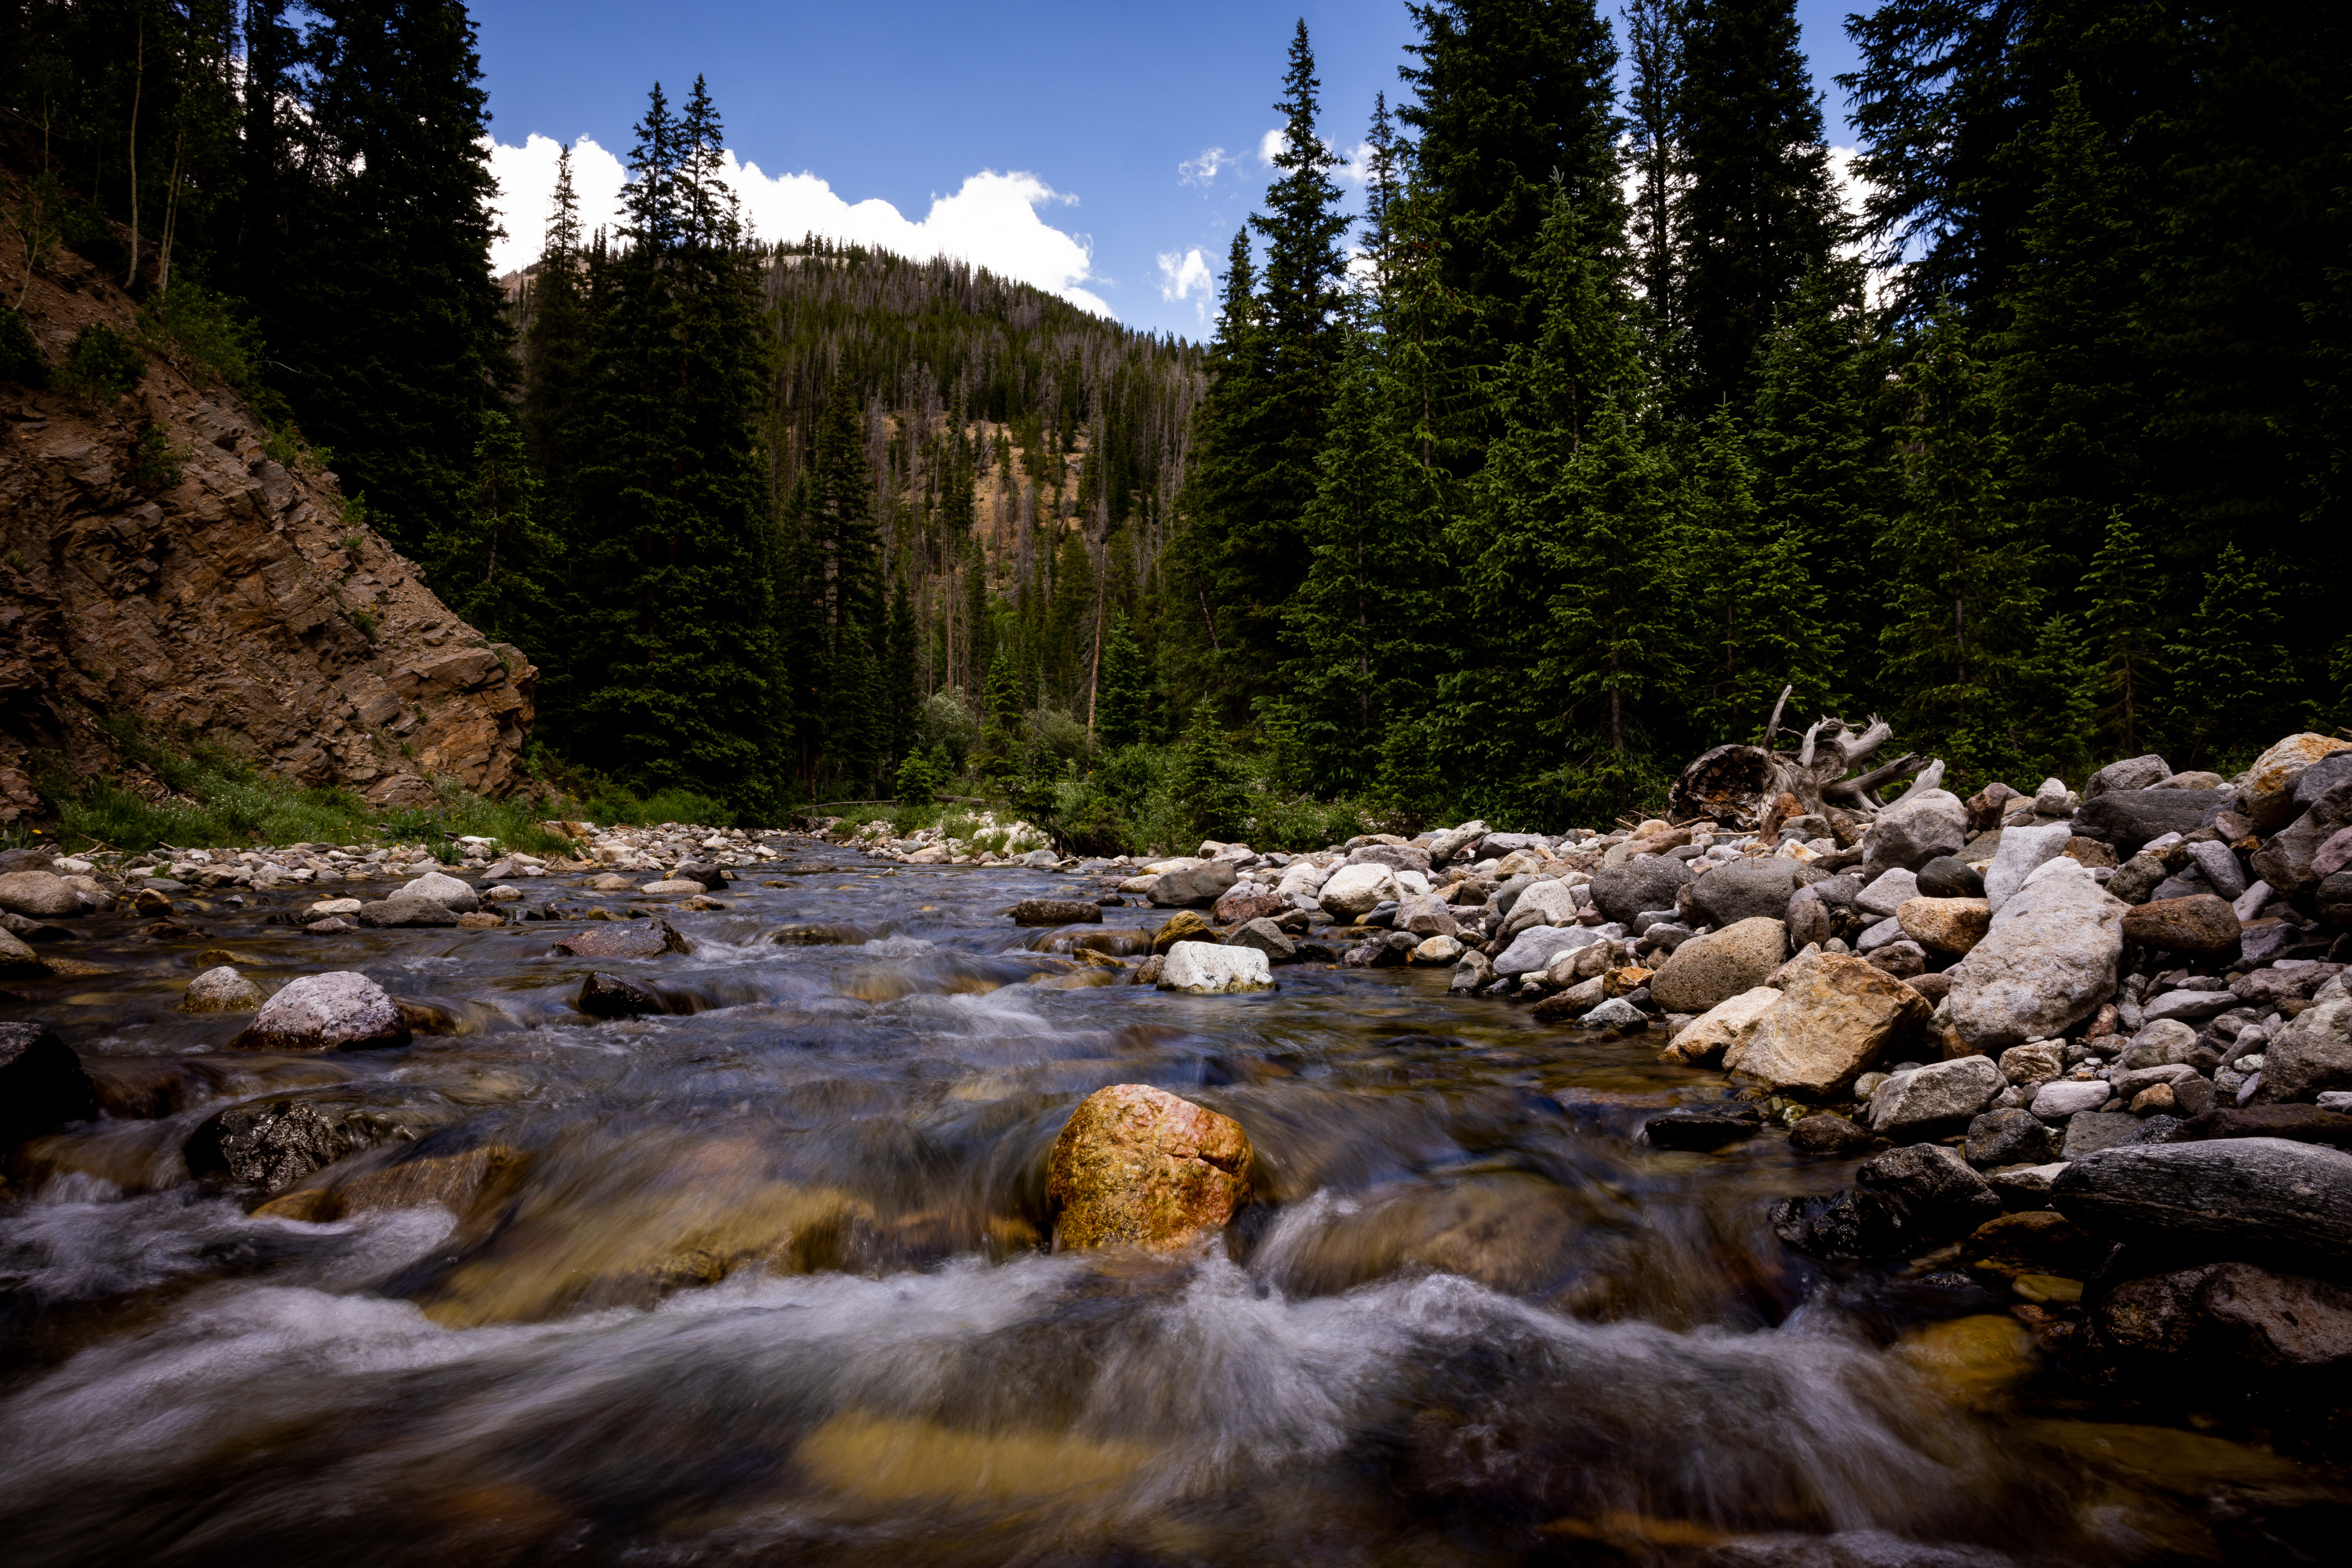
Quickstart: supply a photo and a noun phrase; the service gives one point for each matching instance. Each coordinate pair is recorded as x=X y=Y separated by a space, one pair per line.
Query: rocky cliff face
x=237 y=604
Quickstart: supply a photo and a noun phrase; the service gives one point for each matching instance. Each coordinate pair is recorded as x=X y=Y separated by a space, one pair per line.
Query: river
x=763 y=1280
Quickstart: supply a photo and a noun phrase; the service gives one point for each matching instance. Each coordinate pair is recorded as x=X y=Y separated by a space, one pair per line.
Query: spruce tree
x=1513 y=100
x=1208 y=797
x=492 y=564
x=1224 y=488
x=1757 y=610
x=1653 y=38
x=1958 y=568
x=1122 y=708
x=2231 y=668
x=557 y=345
x=1365 y=622
x=1754 y=215
x=2122 y=641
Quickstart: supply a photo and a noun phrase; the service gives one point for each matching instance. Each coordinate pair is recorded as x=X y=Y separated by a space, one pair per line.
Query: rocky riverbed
x=737 y=1196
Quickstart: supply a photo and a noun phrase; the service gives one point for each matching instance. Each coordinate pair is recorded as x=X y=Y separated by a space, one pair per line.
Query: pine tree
x=1001 y=718
x=899 y=663
x=2232 y=669
x=1753 y=597
x=1653 y=37
x=1207 y=796
x=1755 y=213
x=1225 y=484
x=2122 y=641
x=1959 y=570
x=557 y=345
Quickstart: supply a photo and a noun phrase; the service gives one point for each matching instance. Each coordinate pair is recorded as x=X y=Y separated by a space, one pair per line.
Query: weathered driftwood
x=1737 y=784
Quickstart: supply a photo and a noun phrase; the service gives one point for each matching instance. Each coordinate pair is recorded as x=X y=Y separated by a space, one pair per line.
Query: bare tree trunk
x=138 y=80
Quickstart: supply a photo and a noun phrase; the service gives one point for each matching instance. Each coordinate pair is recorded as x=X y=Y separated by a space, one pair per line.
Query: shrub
x=20 y=356
x=101 y=366
x=155 y=461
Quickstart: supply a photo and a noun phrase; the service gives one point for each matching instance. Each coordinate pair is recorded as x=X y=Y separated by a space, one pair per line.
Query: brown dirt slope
x=237 y=605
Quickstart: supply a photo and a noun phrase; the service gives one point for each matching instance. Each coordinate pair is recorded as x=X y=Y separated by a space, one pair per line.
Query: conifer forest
x=1590 y=425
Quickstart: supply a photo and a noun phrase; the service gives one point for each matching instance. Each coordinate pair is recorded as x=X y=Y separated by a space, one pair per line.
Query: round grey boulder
x=221 y=990
x=1644 y=882
x=339 y=1011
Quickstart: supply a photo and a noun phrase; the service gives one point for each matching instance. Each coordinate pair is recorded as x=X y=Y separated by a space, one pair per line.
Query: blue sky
x=1061 y=142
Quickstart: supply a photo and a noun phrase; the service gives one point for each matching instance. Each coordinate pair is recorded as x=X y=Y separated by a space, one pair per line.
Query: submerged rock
x=609 y=997
x=631 y=938
x=221 y=990
x=339 y=1011
x=1055 y=912
x=42 y=1083
x=1138 y=1165
x=1205 y=968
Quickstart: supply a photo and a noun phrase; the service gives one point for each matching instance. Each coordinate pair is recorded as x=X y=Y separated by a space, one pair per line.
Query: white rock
x=2021 y=851
x=504 y=893
x=1923 y=823
x=1547 y=903
x=673 y=886
x=323 y=1012
x=1207 y=968
x=2049 y=800
x=1302 y=878
x=1538 y=945
x=1937 y=1098
x=326 y=907
x=1614 y=1014
x=221 y=990
x=1352 y=891
x=445 y=891
x=2047 y=962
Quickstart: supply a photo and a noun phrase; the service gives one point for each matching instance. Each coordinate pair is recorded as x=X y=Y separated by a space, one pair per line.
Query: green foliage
x=613 y=804
x=491 y=563
x=20 y=356
x=101 y=366
x=1207 y=789
x=2232 y=671
x=2122 y=641
x=202 y=333
x=156 y=459
x=1123 y=706
x=918 y=781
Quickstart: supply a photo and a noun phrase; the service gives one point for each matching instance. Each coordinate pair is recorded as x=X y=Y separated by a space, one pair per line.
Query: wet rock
x=2332 y=899
x=2034 y=1241
x=487 y=919
x=672 y=888
x=1192 y=886
x=403 y=911
x=1832 y=1137
x=712 y=878
x=1136 y=1164
x=629 y=938
x=1918 y=828
x=42 y=1082
x=40 y=895
x=1939 y=1099
x=1856 y=1223
x=1352 y=891
x=2312 y=1055
x=443 y=890
x=1271 y=940
x=2129 y=819
x=2232 y=1321
x=2138 y=772
x=2299 y=1123
x=1944 y=925
x=1644 y=882
x=1148 y=972
x=274 y=1143
x=1835 y=1018
x=1705 y=971
x=1746 y=890
x=1728 y=1024
x=1207 y=969
x=1615 y=1012
x=1945 y=1196
x=16 y=958
x=606 y=995
x=1055 y=912
x=2011 y=1137
x=337 y=1011
x=2047 y=960
x=455 y=1182
x=1245 y=902
x=2257 y=1198
x=2201 y=926
x=1185 y=925
x=221 y=990
x=1703 y=1129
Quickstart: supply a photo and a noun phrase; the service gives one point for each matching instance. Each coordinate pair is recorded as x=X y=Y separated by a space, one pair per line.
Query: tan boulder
x=1137 y=1164
x=1944 y=925
x=1708 y=1038
x=1706 y=970
x=1836 y=1016
x=1184 y=925
x=2269 y=786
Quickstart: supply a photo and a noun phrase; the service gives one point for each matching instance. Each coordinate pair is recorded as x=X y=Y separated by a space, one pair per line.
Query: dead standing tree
x=1741 y=785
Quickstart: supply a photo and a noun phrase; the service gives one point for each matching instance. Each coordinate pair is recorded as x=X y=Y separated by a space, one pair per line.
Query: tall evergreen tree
x=1122 y=710
x=2122 y=641
x=1755 y=215
x=491 y=565
x=381 y=307
x=679 y=681
x=1653 y=38
x=2232 y=669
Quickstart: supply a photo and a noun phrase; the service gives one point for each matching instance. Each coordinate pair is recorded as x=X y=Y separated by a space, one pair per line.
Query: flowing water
x=765 y=1278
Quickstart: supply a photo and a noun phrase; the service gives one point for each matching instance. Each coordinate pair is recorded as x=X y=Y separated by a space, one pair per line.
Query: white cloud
x=1183 y=276
x=1355 y=164
x=1268 y=145
x=1202 y=170
x=993 y=221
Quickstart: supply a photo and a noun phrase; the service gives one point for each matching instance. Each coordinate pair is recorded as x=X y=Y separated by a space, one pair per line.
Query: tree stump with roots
x=1739 y=785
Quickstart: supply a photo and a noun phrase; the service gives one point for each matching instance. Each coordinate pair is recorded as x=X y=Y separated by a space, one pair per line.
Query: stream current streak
x=765 y=1280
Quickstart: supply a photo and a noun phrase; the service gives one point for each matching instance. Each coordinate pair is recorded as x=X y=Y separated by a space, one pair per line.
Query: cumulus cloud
x=1205 y=168
x=1183 y=276
x=993 y=221
x=1268 y=145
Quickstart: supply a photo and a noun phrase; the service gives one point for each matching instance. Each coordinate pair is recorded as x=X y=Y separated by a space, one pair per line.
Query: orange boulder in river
x=1137 y=1164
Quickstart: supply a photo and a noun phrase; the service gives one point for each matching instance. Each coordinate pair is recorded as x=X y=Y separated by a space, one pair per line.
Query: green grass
x=613 y=803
